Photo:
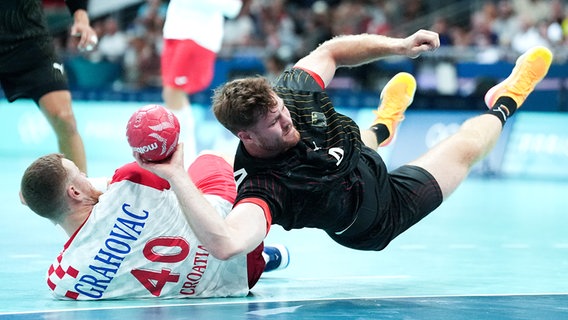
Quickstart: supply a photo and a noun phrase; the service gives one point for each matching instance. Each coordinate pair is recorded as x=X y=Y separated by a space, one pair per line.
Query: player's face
x=275 y=133
x=79 y=180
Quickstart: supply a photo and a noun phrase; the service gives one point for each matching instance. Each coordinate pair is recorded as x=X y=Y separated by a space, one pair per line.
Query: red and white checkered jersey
x=137 y=244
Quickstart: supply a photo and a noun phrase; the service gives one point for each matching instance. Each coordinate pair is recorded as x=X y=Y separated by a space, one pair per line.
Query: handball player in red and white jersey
x=133 y=240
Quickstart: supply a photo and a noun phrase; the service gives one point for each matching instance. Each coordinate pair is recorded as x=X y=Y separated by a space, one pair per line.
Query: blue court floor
x=497 y=249
x=479 y=256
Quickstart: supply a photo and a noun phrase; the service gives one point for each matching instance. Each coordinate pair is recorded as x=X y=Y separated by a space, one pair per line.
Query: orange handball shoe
x=396 y=96
x=529 y=69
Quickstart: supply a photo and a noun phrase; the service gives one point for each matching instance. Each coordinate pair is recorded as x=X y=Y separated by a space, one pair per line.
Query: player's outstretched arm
x=240 y=232
x=354 y=50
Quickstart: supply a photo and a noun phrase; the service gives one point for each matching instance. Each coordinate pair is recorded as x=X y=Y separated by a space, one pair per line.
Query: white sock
x=187 y=133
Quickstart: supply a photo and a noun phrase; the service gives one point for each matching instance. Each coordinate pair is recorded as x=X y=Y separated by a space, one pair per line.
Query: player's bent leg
x=56 y=106
x=229 y=157
x=177 y=101
x=213 y=175
x=265 y=259
x=450 y=161
x=174 y=98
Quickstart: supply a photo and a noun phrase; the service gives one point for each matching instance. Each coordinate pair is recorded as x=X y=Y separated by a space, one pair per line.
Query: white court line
x=463 y=246
x=292 y=300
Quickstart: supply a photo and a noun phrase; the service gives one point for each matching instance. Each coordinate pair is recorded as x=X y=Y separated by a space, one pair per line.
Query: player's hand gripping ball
x=153 y=132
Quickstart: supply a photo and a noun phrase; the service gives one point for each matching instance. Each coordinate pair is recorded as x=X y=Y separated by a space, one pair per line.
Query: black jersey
x=314 y=184
x=21 y=20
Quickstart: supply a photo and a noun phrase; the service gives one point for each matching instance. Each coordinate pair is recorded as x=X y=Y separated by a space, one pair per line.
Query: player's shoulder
x=134 y=173
x=297 y=79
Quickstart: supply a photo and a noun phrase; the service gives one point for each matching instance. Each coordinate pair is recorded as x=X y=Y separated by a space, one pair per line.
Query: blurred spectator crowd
x=278 y=32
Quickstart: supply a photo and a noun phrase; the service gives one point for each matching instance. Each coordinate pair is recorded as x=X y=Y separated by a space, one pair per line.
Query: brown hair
x=238 y=104
x=43 y=186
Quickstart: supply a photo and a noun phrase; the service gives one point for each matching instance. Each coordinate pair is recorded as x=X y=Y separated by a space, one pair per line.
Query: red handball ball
x=153 y=132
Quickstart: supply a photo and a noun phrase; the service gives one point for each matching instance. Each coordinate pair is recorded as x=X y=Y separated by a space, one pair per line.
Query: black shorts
x=31 y=70
x=407 y=195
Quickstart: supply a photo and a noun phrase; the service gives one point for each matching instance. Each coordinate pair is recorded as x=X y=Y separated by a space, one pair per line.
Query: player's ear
x=244 y=136
x=73 y=192
x=22 y=200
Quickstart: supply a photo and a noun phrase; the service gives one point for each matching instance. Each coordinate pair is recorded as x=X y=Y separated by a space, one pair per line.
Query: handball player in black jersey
x=301 y=164
x=30 y=68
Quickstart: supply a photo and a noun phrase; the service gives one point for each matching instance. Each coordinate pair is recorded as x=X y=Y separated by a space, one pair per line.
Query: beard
x=282 y=143
x=295 y=138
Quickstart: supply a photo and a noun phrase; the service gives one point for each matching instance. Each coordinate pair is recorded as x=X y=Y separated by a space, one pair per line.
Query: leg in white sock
x=187 y=132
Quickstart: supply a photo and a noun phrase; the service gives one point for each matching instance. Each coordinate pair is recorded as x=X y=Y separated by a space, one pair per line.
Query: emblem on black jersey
x=318 y=119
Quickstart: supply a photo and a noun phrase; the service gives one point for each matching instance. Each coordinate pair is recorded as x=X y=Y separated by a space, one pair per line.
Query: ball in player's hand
x=153 y=132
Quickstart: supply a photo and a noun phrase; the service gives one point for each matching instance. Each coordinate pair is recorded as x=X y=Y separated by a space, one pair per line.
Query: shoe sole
x=410 y=78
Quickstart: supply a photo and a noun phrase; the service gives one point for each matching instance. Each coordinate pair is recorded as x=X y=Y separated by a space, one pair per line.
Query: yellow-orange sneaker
x=529 y=69
x=396 y=96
